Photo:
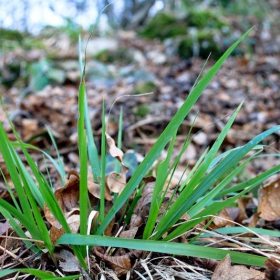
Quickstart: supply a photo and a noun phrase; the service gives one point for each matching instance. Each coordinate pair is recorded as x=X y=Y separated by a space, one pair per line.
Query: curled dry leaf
x=225 y=271
x=94 y=189
x=116 y=182
x=269 y=201
x=131 y=233
x=113 y=149
x=222 y=220
x=120 y=264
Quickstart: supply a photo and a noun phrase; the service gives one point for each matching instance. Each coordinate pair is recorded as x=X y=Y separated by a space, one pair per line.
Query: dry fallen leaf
x=4 y=227
x=68 y=200
x=272 y=269
x=116 y=182
x=113 y=149
x=225 y=271
x=70 y=263
x=222 y=220
x=269 y=201
x=120 y=264
x=94 y=189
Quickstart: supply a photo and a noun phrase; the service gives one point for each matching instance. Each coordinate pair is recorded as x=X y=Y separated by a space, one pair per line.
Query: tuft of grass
x=197 y=197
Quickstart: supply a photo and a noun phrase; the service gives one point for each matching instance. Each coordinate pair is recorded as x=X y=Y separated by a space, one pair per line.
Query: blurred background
x=33 y=15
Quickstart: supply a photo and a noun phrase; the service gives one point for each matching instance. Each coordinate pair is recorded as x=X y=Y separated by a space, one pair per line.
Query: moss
x=109 y=56
x=206 y=45
x=144 y=87
x=205 y=19
x=11 y=35
x=141 y=110
x=163 y=25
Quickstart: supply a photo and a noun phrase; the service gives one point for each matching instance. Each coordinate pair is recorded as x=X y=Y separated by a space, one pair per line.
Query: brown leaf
x=116 y=182
x=120 y=264
x=225 y=271
x=30 y=127
x=269 y=201
x=131 y=233
x=55 y=233
x=222 y=220
x=135 y=221
x=113 y=149
x=68 y=196
x=94 y=189
x=272 y=269
x=242 y=204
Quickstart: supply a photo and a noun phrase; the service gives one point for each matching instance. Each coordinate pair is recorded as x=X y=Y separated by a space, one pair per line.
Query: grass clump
x=108 y=202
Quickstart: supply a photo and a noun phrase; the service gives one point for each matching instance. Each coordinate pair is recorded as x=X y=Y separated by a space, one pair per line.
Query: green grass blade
x=256 y=180
x=8 y=155
x=165 y=137
x=5 y=208
x=162 y=247
x=189 y=194
x=182 y=205
x=60 y=164
x=208 y=199
x=92 y=149
x=38 y=273
x=158 y=193
x=120 y=127
x=5 y=211
x=241 y=230
x=57 y=165
x=103 y=165
x=82 y=144
x=194 y=169
x=214 y=208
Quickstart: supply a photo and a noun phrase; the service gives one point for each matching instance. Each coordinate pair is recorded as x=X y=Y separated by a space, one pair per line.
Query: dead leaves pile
x=120 y=260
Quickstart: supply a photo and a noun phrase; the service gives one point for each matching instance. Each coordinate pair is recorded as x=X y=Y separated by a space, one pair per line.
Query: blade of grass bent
x=60 y=162
x=214 y=208
x=181 y=204
x=165 y=137
x=7 y=153
x=213 y=193
x=161 y=247
x=180 y=207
